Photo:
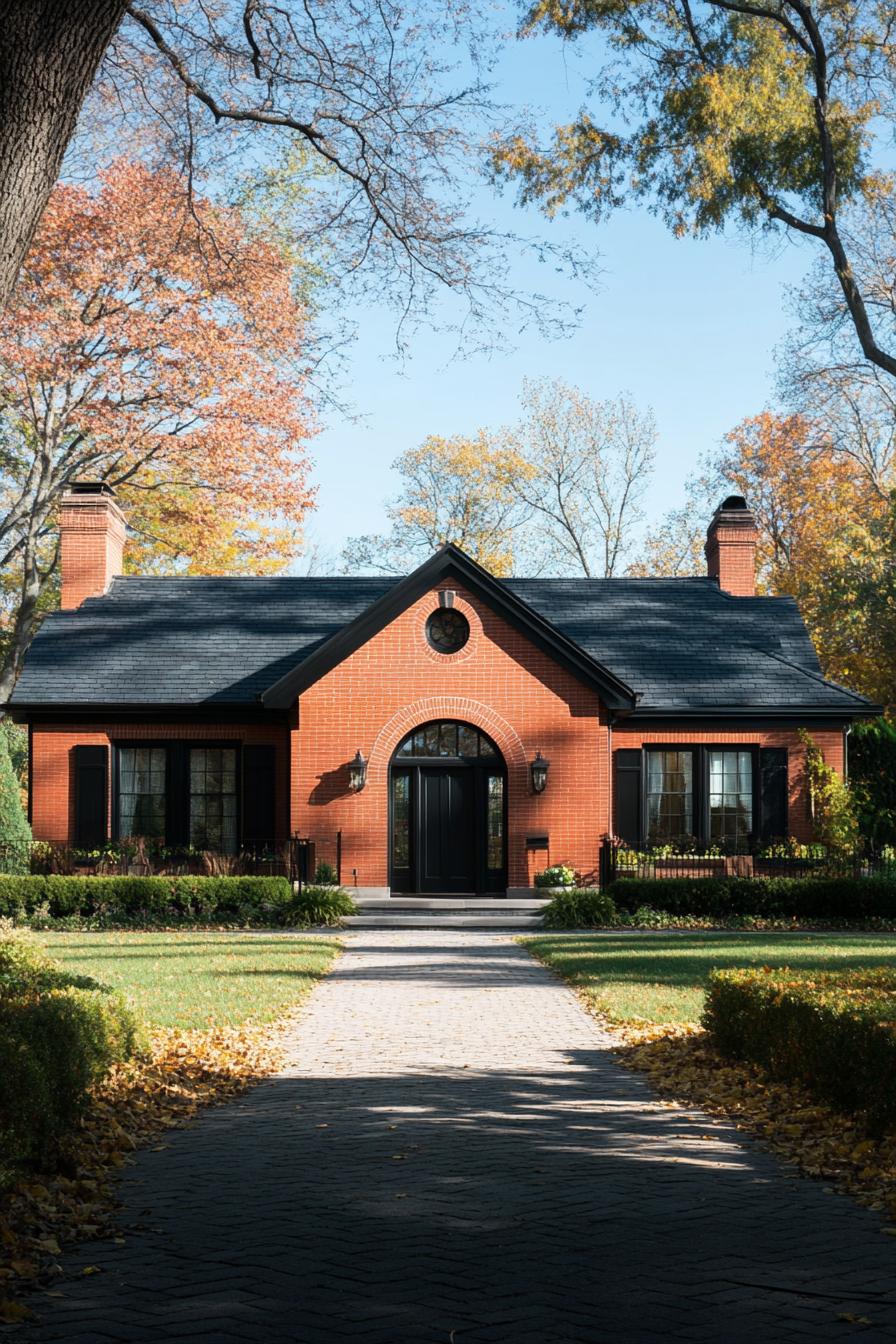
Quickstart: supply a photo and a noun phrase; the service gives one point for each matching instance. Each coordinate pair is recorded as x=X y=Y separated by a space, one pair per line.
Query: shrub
x=834 y=818
x=834 y=1032
x=325 y=875
x=318 y=905
x=872 y=778
x=806 y=898
x=147 y=900
x=59 y=1034
x=557 y=876
x=15 y=833
x=580 y=908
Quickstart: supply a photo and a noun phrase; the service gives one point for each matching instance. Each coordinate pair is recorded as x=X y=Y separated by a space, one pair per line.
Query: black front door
x=447 y=817
x=447 y=860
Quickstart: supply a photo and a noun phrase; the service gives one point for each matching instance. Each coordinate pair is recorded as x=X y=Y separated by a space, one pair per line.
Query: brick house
x=450 y=732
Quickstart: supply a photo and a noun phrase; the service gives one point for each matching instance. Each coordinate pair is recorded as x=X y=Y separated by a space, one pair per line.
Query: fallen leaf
x=11 y=1313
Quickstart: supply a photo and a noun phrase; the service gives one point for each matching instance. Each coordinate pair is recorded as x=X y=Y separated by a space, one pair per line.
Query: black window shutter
x=259 y=793
x=91 y=776
x=627 y=802
x=773 y=792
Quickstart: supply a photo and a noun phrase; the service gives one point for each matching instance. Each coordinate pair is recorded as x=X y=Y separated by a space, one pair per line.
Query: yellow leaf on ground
x=11 y=1313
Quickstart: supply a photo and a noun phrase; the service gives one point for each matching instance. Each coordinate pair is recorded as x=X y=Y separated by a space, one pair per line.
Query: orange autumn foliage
x=802 y=491
x=822 y=526
x=154 y=341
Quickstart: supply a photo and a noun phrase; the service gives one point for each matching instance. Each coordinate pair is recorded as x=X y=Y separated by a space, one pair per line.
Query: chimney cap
x=91 y=488
x=734 y=502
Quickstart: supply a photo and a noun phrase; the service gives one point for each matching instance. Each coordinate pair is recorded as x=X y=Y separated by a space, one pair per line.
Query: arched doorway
x=447 y=812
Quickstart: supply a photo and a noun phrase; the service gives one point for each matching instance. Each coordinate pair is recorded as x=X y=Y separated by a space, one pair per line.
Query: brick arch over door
x=462 y=708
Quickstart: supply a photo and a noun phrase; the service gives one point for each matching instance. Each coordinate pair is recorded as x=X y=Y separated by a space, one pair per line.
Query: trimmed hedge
x=580 y=908
x=148 y=900
x=834 y=1032
x=59 y=1034
x=853 y=898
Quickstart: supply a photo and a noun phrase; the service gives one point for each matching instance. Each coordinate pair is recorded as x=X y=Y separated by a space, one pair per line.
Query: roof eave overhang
x=804 y=713
x=197 y=711
x=450 y=563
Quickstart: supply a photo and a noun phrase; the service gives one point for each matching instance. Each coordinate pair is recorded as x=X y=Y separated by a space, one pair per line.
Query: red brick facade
x=499 y=682
x=829 y=740
x=514 y=679
x=52 y=764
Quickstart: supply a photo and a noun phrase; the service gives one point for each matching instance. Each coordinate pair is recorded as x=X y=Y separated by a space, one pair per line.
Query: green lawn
x=660 y=977
x=199 y=979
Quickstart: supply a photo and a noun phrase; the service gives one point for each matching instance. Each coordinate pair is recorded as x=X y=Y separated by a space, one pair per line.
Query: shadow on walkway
x=397 y=1188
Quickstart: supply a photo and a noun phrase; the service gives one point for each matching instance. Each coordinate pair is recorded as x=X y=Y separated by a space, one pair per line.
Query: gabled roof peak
x=451 y=562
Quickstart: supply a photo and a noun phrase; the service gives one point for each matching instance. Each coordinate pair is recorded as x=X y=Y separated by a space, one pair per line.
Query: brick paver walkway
x=455 y=1157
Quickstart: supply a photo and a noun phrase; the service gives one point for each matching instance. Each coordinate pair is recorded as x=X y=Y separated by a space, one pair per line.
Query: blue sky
x=687 y=327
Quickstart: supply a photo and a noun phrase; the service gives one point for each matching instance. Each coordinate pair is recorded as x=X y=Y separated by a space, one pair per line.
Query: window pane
x=141 y=792
x=448 y=739
x=436 y=739
x=467 y=740
x=670 y=796
x=213 y=799
x=731 y=798
x=401 y=821
x=495 y=822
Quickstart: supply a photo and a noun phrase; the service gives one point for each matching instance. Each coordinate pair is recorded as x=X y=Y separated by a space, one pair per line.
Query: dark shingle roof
x=682 y=644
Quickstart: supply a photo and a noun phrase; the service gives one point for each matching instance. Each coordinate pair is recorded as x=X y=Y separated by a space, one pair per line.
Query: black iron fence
x=293 y=858
x=618 y=859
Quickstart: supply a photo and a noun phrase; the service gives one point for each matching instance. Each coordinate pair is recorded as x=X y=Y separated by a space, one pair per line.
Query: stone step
x=441 y=905
x=426 y=920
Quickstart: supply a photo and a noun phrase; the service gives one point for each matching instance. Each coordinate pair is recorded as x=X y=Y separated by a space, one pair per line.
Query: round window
x=447 y=630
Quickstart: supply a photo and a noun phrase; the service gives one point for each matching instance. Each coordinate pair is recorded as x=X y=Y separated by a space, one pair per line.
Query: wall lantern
x=357 y=772
x=539 y=769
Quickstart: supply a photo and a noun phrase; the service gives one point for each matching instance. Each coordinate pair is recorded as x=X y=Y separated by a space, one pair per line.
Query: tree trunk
x=27 y=616
x=49 y=53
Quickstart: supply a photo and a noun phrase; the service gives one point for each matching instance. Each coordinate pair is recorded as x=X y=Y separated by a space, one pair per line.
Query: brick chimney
x=91 y=537
x=731 y=547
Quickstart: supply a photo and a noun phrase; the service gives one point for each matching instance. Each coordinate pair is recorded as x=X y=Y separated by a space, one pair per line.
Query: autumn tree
x=386 y=103
x=140 y=353
x=672 y=545
x=588 y=465
x=765 y=114
x=558 y=493
x=821 y=370
x=827 y=537
x=460 y=490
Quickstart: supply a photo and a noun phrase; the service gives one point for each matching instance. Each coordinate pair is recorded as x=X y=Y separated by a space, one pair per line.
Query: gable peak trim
x=449 y=562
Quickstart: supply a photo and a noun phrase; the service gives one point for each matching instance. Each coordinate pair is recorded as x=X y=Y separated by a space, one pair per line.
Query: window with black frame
x=669 y=796
x=213 y=808
x=142 y=792
x=730 y=797
x=495 y=823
